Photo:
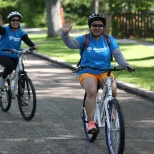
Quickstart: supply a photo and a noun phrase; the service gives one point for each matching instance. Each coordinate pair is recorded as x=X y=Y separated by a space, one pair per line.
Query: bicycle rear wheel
x=115 y=136
x=90 y=137
x=6 y=97
x=26 y=98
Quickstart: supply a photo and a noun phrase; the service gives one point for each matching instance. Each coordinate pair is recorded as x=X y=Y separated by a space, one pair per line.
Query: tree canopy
x=34 y=11
x=36 y=14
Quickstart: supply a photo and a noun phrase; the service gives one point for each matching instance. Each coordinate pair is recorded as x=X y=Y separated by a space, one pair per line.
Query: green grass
x=139 y=56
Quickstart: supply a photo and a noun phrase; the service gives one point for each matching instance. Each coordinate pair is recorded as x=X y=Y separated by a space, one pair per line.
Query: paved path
x=57 y=126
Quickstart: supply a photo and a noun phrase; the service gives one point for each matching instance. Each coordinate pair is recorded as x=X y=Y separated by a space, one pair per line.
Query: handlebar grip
x=31 y=49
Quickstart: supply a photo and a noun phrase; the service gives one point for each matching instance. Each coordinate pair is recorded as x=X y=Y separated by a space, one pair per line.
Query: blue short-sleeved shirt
x=97 y=54
x=11 y=40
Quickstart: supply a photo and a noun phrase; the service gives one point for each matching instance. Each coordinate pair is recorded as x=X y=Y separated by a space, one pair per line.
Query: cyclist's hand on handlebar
x=130 y=69
x=33 y=48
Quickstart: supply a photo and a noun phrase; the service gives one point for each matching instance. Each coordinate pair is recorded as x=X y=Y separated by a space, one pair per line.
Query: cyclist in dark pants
x=11 y=37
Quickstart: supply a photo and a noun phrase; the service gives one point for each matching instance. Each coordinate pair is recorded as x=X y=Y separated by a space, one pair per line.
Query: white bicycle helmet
x=94 y=17
x=14 y=13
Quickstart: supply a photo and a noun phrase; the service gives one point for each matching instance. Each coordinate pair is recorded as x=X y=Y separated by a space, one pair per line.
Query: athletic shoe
x=2 y=83
x=92 y=128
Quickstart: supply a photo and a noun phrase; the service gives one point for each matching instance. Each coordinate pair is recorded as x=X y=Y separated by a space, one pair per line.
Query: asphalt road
x=57 y=127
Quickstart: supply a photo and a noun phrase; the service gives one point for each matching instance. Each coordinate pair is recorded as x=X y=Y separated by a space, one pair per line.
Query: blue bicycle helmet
x=94 y=17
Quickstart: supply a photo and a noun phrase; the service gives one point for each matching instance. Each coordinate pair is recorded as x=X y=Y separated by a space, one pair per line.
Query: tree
x=77 y=10
x=95 y=6
x=119 y=6
x=54 y=22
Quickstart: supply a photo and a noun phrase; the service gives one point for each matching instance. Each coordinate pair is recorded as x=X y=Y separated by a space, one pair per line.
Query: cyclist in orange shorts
x=97 y=54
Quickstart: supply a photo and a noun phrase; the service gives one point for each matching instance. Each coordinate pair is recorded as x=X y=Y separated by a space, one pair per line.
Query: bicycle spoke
x=90 y=137
x=27 y=99
x=115 y=135
x=6 y=97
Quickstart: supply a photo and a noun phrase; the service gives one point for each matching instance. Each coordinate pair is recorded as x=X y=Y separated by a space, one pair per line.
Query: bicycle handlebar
x=106 y=70
x=22 y=51
x=110 y=69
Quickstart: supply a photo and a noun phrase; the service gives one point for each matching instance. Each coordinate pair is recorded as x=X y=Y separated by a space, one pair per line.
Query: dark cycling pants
x=9 y=65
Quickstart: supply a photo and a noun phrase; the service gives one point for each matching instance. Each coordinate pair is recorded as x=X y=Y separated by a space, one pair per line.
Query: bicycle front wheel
x=90 y=137
x=6 y=97
x=115 y=135
x=26 y=98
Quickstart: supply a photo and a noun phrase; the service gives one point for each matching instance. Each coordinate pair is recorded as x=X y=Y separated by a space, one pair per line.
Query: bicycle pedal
x=2 y=88
x=93 y=132
x=24 y=104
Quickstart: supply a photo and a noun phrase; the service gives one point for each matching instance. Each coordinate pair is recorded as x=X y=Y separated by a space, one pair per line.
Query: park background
x=126 y=19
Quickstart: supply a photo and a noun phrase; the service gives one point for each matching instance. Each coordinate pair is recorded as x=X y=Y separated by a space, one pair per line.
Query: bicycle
x=108 y=114
x=19 y=85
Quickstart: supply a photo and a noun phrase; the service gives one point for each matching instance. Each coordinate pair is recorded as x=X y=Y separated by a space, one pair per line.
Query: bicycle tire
x=90 y=137
x=115 y=137
x=6 y=97
x=26 y=98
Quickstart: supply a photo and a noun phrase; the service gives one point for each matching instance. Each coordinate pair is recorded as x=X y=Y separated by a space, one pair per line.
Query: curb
x=135 y=90
x=120 y=84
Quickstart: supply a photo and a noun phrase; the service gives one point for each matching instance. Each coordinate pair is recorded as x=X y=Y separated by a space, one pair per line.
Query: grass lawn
x=139 y=56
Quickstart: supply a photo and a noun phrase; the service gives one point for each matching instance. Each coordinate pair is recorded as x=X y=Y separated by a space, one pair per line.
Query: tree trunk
x=95 y=6
x=108 y=23
x=54 y=22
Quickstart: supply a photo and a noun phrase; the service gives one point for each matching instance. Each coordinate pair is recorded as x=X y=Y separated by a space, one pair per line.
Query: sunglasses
x=17 y=20
x=97 y=25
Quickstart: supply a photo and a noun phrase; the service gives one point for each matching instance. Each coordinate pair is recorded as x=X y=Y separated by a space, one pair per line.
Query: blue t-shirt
x=97 y=54
x=11 y=40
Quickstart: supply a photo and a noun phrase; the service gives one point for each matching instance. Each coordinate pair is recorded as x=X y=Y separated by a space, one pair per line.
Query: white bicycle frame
x=101 y=114
x=13 y=77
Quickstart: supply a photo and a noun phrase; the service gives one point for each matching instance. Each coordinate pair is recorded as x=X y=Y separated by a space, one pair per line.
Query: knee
x=91 y=92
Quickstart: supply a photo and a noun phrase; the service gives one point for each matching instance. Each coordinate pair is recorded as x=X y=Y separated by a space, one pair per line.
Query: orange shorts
x=96 y=76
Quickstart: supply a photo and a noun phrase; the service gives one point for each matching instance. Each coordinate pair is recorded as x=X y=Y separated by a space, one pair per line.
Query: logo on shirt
x=99 y=49
x=14 y=38
x=89 y=49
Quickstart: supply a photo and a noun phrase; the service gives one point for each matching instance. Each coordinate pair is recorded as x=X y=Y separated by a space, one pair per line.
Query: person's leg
x=15 y=62
x=8 y=65
x=90 y=86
